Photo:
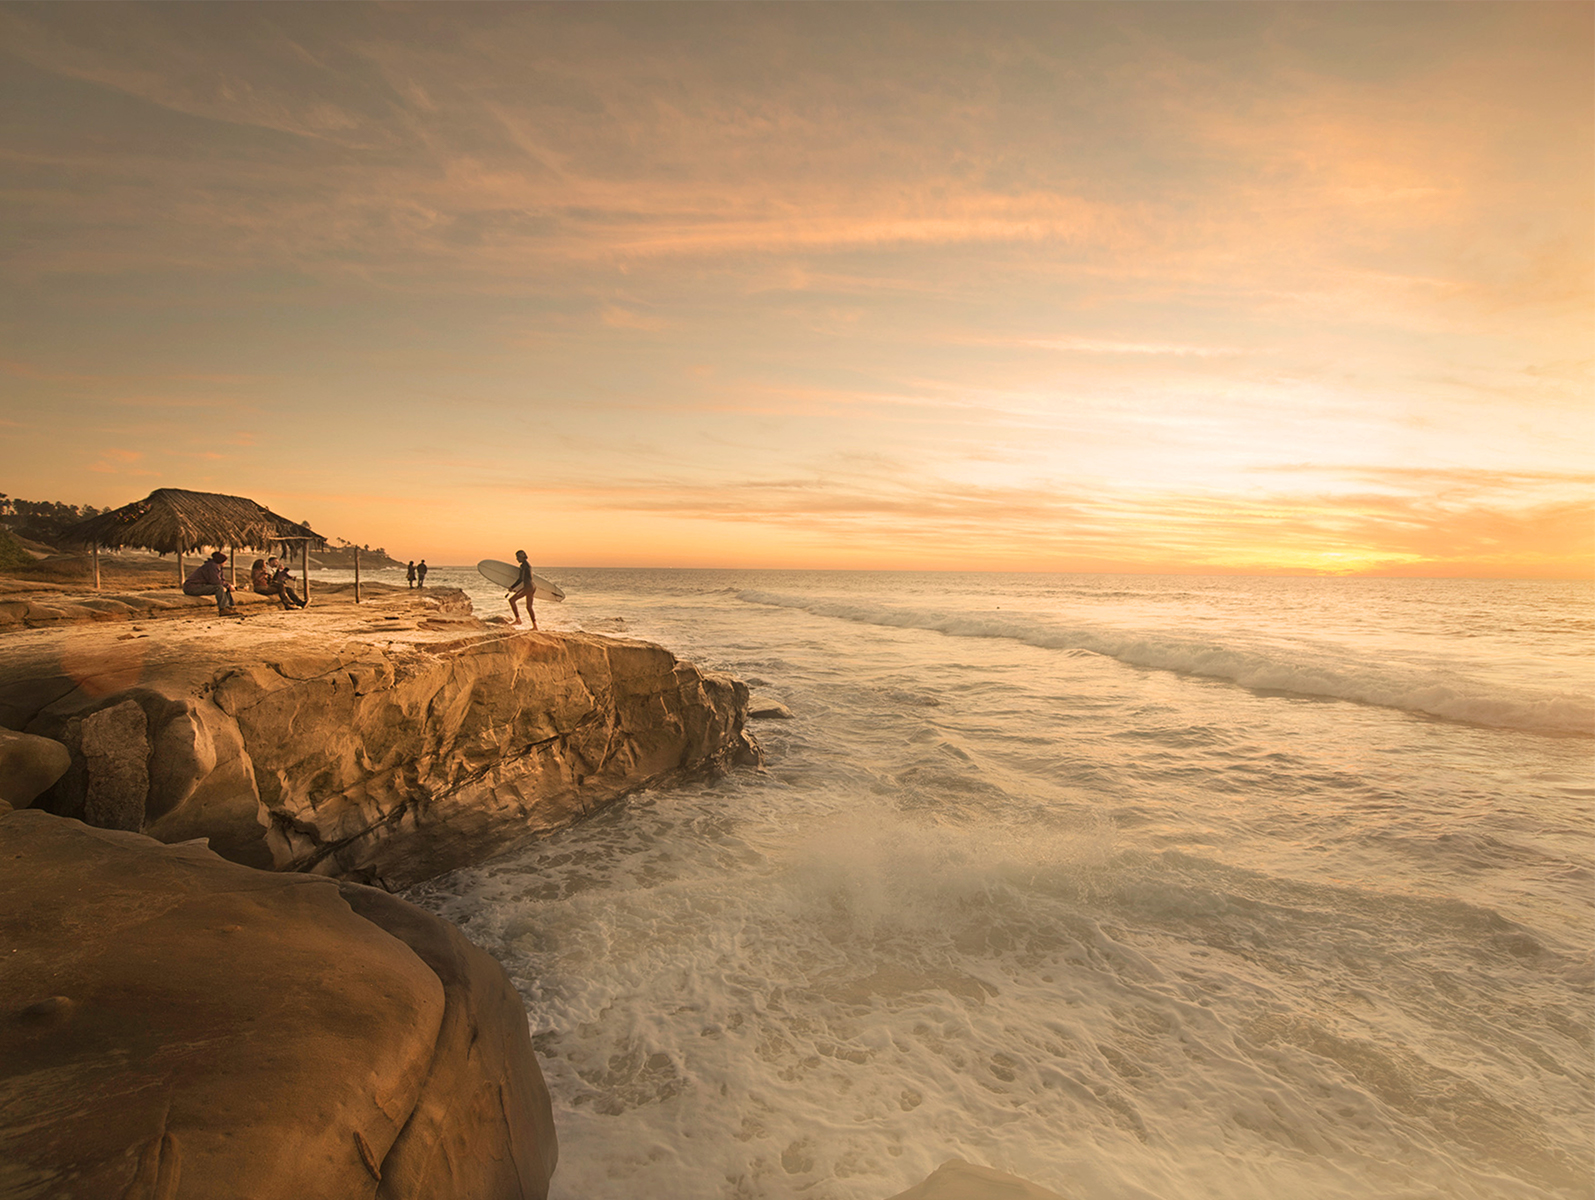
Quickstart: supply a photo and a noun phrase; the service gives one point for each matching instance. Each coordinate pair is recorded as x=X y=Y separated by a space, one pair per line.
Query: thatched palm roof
x=172 y=520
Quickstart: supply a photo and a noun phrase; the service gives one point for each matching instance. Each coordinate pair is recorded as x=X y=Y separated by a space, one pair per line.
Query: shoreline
x=172 y=779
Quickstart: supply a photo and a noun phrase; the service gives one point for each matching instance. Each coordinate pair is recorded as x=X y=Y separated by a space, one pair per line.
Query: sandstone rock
x=772 y=711
x=483 y=1124
x=116 y=751
x=959 y=1180
x=174 y=1025
x=29 y=765
x=379 y=754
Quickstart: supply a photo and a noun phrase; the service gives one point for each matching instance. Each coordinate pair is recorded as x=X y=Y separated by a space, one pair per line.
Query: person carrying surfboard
x=524 y=587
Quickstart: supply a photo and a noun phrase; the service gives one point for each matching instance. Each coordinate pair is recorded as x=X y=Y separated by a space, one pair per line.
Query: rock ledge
x=384 y=743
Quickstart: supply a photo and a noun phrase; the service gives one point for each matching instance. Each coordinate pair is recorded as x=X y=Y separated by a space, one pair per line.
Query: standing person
x=409 y=573
x=281 y=579
x=523 y=589
x=420 y=573
x=206 y=580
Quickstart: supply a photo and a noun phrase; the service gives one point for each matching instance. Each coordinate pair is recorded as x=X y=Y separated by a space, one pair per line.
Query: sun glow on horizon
x=1249 y=288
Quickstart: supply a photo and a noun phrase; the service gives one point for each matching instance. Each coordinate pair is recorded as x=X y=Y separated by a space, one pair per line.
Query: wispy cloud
x=1002 y=246
x=1060 y=525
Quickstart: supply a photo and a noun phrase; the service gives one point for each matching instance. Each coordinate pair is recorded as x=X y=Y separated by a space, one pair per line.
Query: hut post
x=304 y=565
x=94 y=553
x=232 y=563
x=357 y=574
x=181 y=578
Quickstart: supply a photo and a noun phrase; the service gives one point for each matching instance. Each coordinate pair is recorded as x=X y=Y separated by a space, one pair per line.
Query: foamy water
x=1131 y=886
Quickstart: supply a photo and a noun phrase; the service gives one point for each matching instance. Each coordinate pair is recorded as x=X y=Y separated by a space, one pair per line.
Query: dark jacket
x=207 y=575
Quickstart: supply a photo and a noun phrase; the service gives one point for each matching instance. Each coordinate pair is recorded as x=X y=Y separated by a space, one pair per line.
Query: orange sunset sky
x=1073 y=286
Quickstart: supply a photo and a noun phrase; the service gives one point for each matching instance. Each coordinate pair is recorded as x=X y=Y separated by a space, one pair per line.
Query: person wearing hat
x=206 y=580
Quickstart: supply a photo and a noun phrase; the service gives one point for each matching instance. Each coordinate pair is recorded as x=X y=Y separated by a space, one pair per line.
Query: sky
x=1144 y=287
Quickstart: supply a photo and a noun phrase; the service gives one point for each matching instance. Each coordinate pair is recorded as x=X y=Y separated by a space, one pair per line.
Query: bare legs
x=526 y=595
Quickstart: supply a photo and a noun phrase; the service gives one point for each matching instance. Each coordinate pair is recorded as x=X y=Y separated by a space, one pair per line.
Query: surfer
x=524 y=588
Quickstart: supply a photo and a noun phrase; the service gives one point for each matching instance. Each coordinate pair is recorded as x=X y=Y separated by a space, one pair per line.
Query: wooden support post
x=94 y=553
x=181 y=578
x=232 y=561
x=357 y=574
x=304 y=566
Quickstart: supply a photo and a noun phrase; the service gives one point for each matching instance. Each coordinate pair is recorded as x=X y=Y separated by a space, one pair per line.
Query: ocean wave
x=1297 y=670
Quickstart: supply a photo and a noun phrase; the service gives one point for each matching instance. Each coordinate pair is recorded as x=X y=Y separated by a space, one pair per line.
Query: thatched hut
x=175 y=521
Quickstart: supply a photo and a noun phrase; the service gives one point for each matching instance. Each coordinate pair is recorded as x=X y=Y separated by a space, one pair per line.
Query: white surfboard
x=505 y=574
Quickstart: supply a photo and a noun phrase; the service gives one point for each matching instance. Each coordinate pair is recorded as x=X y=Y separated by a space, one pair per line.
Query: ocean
x=1132 y=886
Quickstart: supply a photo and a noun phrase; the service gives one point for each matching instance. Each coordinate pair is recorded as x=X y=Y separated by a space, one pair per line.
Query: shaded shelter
x=175 y=521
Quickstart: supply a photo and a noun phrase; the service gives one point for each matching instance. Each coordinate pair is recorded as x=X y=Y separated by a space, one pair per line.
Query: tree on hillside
x=42 y=520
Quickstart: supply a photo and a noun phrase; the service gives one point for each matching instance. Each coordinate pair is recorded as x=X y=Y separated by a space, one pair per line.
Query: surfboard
x=505 y=574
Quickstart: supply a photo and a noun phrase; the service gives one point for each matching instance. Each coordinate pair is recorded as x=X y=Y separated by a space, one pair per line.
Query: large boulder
x=175 y=1025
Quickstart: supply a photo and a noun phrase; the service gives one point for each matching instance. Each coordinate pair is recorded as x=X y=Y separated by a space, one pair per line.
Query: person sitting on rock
x=523 y=589
x=280 y=584
x=206 y=580
x=260 y=583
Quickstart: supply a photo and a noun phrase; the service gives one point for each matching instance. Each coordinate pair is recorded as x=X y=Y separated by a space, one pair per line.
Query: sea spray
x=1124 y=931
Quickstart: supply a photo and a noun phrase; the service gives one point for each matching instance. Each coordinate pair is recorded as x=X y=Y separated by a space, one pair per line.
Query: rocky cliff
x=383 y=743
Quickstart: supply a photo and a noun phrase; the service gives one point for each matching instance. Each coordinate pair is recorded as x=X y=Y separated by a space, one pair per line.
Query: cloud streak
x=1487 y=523
x=1095 y=271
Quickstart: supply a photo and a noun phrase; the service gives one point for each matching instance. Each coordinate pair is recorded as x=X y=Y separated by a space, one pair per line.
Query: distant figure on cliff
x=420 y=573
x=206 y=580
x=523 y=589
x=409 y=573
x=280 y=584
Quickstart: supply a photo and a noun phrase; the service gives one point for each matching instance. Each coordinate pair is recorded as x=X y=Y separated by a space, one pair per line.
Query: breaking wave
x=1312 y=670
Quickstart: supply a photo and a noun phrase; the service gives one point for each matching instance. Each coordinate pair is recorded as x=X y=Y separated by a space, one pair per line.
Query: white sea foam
x=1312 y=671
x=1124 y=933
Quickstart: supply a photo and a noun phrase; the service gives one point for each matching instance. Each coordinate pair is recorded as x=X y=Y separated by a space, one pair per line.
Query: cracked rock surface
x=384 y=743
